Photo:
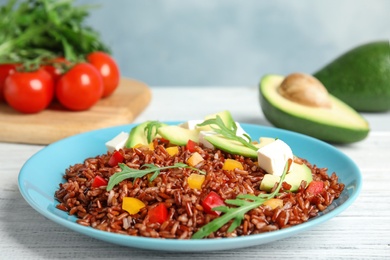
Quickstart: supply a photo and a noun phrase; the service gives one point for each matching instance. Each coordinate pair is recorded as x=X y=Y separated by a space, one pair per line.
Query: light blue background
x=233 y=42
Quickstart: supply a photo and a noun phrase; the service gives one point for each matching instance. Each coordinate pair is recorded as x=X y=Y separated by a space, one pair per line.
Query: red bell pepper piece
x=99 y=181
x=190 y=146
x=315 y=187
x=158 y=214
x=115 y=158
x=211 y=201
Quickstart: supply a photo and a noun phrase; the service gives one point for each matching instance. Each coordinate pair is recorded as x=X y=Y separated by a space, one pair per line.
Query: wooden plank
x=122 y=107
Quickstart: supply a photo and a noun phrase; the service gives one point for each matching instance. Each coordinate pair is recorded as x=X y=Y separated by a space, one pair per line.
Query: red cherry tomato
x=53 y=67
x=5 y=70
x=80 y=87
x=108 y=68
x=29 y=92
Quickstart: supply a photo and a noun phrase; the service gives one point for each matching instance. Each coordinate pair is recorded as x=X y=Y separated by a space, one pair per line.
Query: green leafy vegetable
x=37 y=30
x=151 y=130
x=219 y=127
x=130 y=173
x=243 y=204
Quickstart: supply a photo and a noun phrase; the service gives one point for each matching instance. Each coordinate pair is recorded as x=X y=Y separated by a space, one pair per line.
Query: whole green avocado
x=360 y=77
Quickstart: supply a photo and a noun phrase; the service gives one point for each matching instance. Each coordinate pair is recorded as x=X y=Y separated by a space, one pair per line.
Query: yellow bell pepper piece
x=194 y=159
x=150 y=146
x=195 y=181
x=230 y=165
x=132 y=205
x=172 y=150
x=274 y=203
x=138 y=145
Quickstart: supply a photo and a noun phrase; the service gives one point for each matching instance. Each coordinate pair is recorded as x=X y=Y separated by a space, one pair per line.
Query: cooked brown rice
x=102 y=209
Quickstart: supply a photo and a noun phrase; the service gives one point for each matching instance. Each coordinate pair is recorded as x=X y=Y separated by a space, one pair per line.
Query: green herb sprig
x=151 y=130
x=244 y=203
x=130 y=173
x=219 y=127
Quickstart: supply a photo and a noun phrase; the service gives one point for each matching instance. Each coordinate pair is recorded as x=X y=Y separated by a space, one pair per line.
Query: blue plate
x=41 y=174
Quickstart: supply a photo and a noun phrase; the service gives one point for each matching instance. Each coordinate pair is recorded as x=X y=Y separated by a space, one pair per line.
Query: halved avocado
x=338 y=123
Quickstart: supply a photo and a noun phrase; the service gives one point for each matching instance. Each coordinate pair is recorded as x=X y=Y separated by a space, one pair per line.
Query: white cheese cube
x=191 y=124
x=273 y=157
x=202 y=140
x=117 y=142
x=240 y=131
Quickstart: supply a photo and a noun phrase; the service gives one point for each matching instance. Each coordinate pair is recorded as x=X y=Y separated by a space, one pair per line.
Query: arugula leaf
x=244 y=203
x=130 y=173
x=151 y=130
x=219 y=127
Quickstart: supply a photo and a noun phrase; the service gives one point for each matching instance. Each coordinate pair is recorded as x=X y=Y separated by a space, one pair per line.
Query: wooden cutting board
x=122 y=107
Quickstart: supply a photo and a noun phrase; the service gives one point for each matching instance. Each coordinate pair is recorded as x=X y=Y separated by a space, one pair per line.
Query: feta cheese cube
x=191 y=124
x=240 y=131
x=117 y=142
x=273 y=157
x=202 y=140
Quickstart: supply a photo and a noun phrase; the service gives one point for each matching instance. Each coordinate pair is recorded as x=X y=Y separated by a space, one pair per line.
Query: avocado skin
x=360 y=77
x=297 y=123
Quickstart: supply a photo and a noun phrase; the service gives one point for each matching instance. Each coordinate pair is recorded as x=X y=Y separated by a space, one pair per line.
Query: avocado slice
x=235 y=147
x=178 y=135
x=226 y=117
x=338 y=123
x=137 y=136
x=230 y=146
x=360 y=77
x=299 y=173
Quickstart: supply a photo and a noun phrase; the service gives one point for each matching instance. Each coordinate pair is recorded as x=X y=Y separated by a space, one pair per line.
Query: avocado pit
x=305 y=90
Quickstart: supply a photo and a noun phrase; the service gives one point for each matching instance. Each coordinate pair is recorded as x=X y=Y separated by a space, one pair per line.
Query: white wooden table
x=360 y=232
